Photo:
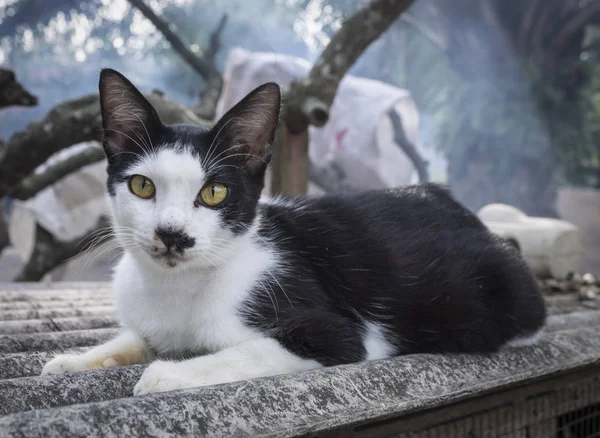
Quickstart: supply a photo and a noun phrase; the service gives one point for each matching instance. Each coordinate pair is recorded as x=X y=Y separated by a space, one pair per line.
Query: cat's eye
x=142 y=187
x=213 y=194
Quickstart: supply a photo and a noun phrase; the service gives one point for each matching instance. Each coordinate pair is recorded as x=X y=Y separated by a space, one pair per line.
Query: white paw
x=66 y=363
x=163 y=376
x=69 y=363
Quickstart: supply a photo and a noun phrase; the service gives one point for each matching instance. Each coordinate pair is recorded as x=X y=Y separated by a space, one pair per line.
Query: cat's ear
x=128 y=119
x=249 y=127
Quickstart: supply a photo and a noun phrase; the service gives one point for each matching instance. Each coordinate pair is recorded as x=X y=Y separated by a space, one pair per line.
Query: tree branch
x=49 y=253
x=12 y=92
x=69 y=123
x=212 y=91
x=203 y=65
x=579 y=19
x=35 y=183
x=313 y=97
x=215 y=40
x=308 y=102
x=408 y=148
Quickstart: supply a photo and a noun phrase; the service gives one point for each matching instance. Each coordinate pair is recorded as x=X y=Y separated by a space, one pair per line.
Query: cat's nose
x=174 y=239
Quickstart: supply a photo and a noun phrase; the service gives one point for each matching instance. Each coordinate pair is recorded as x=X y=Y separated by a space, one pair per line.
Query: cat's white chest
x=185 y=313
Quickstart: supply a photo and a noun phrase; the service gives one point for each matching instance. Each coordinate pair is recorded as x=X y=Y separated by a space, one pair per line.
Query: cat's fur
x=290 y=284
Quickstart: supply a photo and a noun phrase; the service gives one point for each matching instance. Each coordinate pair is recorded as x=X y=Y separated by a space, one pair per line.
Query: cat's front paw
x=163 y=376
x=66 y=363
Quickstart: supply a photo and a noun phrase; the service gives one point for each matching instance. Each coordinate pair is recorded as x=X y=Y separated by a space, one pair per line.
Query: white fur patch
x=125 y=349
x=191 y=309
x=375 y=343
x=256 y=358
x=178 y=178
x=525 y=341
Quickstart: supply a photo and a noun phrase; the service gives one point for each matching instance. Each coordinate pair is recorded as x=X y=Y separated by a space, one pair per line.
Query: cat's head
x=181 y=195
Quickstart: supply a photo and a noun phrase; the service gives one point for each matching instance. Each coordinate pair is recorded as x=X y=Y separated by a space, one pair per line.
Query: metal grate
x=570 y=411
x=580 y=423
x=551 y=391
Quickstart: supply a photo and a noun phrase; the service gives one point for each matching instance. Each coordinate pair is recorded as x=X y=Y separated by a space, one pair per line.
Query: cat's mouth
x=169 y=258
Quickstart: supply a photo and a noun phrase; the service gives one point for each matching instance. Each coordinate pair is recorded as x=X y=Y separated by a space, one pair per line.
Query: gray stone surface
x=26 y=305
x=586 y=318
x=59 y=312
x=53 y=341
x=63 y=286
x=67 y=389
x=51 y=296
x=56 y=324
x=100 y=403
x=28 y=364
x=297 y=404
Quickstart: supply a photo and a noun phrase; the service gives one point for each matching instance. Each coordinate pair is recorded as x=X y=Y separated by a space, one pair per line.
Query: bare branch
x=212 y=91
x=579 y=19
x=314 y=96
x=408 y=148
x=215 y=40
x=12 y=92
x=49 y=253
x=34 y=184
x=69 y=123
x=204 y=65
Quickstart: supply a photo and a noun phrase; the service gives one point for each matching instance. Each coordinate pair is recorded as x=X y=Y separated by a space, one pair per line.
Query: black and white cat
x=255 y=289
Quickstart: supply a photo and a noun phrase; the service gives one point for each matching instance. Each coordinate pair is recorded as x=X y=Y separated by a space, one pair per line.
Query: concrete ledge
x=333 y=400
x=41 y=392
x=69 y=302
x=16 y=296
x=41 y=286
x=53 y=341
x=305 y=403
x=56 y=324
x=10 y=315
x=28 y=364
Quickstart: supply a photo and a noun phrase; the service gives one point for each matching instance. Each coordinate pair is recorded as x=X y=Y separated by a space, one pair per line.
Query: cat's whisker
x=125 y=135
x=203 y=163
x=147 y=133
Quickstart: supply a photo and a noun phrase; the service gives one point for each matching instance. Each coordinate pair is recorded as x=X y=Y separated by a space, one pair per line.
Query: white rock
x=588 y=278
x=551 y=247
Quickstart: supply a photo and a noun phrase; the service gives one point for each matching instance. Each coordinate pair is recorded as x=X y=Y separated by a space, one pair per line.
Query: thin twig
x=35 y=183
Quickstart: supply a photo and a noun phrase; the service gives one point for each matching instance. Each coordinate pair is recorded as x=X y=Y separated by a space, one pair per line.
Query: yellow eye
x=141 y=187
x=213 y=194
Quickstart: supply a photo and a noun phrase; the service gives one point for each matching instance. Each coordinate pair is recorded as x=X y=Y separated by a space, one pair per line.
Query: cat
x=246 y=288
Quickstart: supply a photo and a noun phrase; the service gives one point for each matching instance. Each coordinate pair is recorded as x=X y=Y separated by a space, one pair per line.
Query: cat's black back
x=412 y=261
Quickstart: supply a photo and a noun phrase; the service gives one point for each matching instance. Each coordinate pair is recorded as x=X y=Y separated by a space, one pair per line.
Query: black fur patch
x=412 y=260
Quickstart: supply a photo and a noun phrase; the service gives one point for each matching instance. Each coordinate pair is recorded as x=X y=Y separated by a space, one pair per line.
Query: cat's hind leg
x=257 y=358
x=125 y=349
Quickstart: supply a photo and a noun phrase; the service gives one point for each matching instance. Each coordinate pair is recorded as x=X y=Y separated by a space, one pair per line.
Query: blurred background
x=500 y=99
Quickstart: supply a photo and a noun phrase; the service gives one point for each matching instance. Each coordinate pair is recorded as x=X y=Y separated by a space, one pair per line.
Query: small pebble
x=588 y=294
x=588 y=279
